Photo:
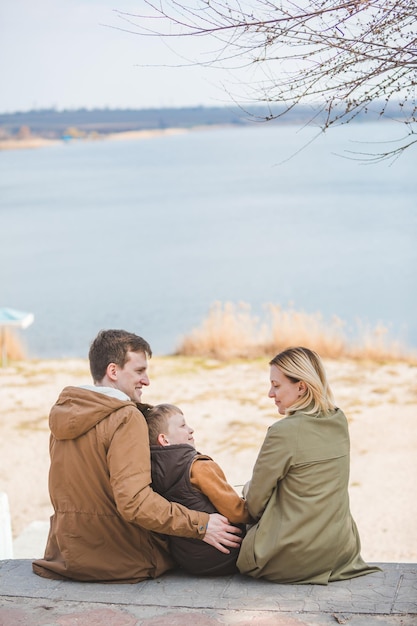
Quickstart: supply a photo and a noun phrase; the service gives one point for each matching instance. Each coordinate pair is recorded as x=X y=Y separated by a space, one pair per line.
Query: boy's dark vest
x=171 y=467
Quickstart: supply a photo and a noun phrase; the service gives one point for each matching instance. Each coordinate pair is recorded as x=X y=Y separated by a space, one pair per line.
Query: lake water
x=146 y=235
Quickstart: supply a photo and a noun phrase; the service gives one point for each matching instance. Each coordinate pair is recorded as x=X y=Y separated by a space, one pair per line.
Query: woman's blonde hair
x=157 y=419
x=302 y=364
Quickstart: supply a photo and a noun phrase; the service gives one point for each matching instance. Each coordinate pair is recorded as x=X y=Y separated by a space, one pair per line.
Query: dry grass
x=227 y=332
x=11 y=346
x=231 y=331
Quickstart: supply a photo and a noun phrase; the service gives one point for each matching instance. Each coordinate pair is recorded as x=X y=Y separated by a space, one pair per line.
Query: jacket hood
x=78 y=409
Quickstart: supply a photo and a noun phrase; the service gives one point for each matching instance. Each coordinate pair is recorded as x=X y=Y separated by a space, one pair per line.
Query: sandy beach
x=27 y=144
x=227 y=405
x=42 y=142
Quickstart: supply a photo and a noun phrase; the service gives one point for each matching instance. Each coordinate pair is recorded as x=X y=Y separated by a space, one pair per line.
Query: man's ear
x=111 y=371
x=162 y=440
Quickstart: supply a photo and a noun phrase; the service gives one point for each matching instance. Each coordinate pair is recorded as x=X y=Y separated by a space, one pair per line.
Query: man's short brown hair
x=112 y=346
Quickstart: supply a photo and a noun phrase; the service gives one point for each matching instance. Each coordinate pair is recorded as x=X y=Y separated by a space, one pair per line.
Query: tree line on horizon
x=51 y=123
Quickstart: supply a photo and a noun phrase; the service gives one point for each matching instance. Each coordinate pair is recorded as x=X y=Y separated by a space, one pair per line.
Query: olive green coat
x=299 y=495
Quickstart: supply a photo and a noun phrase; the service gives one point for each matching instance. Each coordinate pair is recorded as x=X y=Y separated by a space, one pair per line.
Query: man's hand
x=220 y=533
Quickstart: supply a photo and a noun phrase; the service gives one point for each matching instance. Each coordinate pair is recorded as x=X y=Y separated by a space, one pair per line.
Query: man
x=108 y=523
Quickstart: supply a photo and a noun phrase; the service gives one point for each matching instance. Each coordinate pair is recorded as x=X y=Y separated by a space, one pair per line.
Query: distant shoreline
x=25 y=144
x=128 y=135
x=42 y=128
x=42 y=142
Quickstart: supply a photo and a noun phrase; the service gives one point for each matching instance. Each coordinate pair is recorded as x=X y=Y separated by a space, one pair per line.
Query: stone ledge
x=391 y=593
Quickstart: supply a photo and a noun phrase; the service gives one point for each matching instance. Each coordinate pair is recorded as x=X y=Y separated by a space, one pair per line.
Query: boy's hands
x=221 y=533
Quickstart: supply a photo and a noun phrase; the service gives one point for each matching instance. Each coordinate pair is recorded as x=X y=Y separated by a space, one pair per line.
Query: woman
x=299 y=488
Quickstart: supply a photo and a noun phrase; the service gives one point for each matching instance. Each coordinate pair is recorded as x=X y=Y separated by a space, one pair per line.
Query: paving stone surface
x=388 y=597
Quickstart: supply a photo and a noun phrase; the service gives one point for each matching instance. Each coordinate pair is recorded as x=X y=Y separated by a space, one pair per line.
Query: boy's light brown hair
x=157 y=418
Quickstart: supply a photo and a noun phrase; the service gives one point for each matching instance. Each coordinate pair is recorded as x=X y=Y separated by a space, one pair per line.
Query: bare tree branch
x=341 y=55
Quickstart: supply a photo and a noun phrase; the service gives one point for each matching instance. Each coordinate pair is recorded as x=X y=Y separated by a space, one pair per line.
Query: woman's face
x=283 y=390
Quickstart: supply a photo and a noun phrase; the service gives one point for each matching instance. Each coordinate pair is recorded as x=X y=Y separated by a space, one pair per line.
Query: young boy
x=183 y=475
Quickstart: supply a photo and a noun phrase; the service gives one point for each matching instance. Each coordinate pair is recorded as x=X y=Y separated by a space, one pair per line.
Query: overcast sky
x=62 y=54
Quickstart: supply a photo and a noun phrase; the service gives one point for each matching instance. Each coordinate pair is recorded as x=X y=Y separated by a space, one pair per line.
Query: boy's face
x=178 y=431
